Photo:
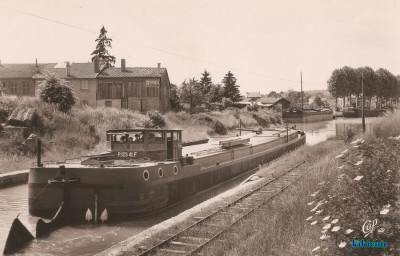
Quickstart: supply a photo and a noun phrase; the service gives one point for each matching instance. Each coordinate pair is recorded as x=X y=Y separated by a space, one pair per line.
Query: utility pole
x=362 y=103
x=287 y=132
x=240 y=127
x=301 y=88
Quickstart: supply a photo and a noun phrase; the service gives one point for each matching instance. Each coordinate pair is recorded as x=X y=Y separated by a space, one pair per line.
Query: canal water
x=322 y=131
x=88 y=239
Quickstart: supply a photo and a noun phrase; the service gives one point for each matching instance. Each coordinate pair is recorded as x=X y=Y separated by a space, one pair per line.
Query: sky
x=266 y=44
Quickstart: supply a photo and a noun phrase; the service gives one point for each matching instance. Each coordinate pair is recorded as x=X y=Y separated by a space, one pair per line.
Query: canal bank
x=13 y=178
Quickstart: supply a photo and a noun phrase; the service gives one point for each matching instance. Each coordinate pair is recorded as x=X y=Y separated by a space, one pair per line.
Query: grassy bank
x=82 y=131
x=353 y=187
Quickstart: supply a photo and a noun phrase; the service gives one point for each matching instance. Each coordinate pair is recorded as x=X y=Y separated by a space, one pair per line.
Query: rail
x=237 y=210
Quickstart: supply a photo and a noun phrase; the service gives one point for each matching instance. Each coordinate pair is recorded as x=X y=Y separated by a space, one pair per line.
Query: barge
x=357 y=112
x=307 y=115
x=146 y=170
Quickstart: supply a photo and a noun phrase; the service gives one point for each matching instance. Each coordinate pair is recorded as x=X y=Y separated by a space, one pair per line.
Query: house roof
x=271 y=100
x=253 y=94
x=131 y=72
x=78 y=70
x=27 y=70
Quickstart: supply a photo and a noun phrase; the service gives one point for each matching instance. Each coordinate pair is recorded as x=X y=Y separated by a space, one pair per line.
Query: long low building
x=136 y=88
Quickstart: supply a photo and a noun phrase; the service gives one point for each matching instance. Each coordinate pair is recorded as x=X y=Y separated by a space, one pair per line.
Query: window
x=108 y=103
x=84 y=85
x=84 y=102
x=25 y=88
x=13 y=88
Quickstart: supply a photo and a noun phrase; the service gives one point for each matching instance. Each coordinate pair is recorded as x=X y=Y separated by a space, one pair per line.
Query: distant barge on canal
x=307 y=115
x=148 y=169
x=356 y=112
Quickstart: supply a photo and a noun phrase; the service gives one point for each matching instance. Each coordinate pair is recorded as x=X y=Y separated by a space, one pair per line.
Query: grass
x=82 y=131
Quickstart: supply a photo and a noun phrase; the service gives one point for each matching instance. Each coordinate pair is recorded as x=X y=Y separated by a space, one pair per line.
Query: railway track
x=207 y=229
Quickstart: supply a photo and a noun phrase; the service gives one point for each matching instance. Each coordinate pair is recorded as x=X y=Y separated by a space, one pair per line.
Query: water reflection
x=87 y=239
x=322 y=131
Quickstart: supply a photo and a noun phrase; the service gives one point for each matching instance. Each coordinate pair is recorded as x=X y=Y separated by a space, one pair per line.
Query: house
x=136 y=88
x=265 y=102
x=17 y=79
x=271 y=102
x=253 y=96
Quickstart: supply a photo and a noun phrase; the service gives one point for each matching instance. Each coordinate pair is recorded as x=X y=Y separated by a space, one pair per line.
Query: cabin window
x=108 y=103
x=160 y=172
x=156 y=137
x=133 y=137
x=146 y=175
x=175 y=170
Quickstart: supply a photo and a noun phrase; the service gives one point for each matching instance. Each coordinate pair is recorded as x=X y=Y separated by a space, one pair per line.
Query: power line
x=154 y=48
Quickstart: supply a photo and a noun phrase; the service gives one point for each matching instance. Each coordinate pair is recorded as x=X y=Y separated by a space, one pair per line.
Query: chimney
x=123 y=65
x=158 y=65
x=36 y=63
x=96 y=65
x=68 y=68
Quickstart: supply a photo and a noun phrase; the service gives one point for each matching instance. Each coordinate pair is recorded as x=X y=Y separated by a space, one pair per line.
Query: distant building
x=253 y=96
x=264 y=102
x=17 y=79
x=270 y=102
x=136 y=88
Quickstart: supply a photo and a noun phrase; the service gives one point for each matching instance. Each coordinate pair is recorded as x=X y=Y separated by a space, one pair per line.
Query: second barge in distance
x=368 y=112
x=307 y=115
x=148 y=169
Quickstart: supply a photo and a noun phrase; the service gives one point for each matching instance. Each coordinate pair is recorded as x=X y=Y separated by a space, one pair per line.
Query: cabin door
x=170 y=146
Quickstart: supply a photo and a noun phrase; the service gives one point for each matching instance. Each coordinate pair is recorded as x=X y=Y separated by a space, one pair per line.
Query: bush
x=264 y=122
x=252 y=108
x=156 y=119
x=220 y=128
x=57 y=91
x=348 y=134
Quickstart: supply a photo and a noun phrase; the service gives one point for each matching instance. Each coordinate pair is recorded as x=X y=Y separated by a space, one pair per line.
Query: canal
x=88 y=239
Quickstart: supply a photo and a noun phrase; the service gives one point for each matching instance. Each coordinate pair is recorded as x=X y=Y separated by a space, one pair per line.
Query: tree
x=387 y=85
x=231 y=89
x=174 y=97
x=216 y=93
x=273 y=94
x=295 y=98
x=57 y=91
x=101 y=51
x=205 y=82
x=192 y=94
x=368 y=77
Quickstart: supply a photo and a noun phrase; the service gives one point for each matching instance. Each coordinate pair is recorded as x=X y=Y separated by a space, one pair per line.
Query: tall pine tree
x=205 y=82
x=101 y=51
x=231 y=90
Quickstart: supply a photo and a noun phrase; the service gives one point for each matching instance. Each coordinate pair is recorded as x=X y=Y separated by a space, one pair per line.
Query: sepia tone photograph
x=203 y=127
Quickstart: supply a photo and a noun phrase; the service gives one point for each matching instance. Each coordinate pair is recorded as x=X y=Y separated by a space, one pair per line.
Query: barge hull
x=127 y=195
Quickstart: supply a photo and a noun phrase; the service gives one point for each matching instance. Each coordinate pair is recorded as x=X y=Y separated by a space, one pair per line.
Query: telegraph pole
x=362 y=103
x=301 y=88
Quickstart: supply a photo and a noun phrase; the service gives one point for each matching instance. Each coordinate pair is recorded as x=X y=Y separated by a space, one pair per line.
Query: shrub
x=220 y=128
x=156 y=119
x=264 y=122
x=57 y=91
x=252 y=108
x=348 y=134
